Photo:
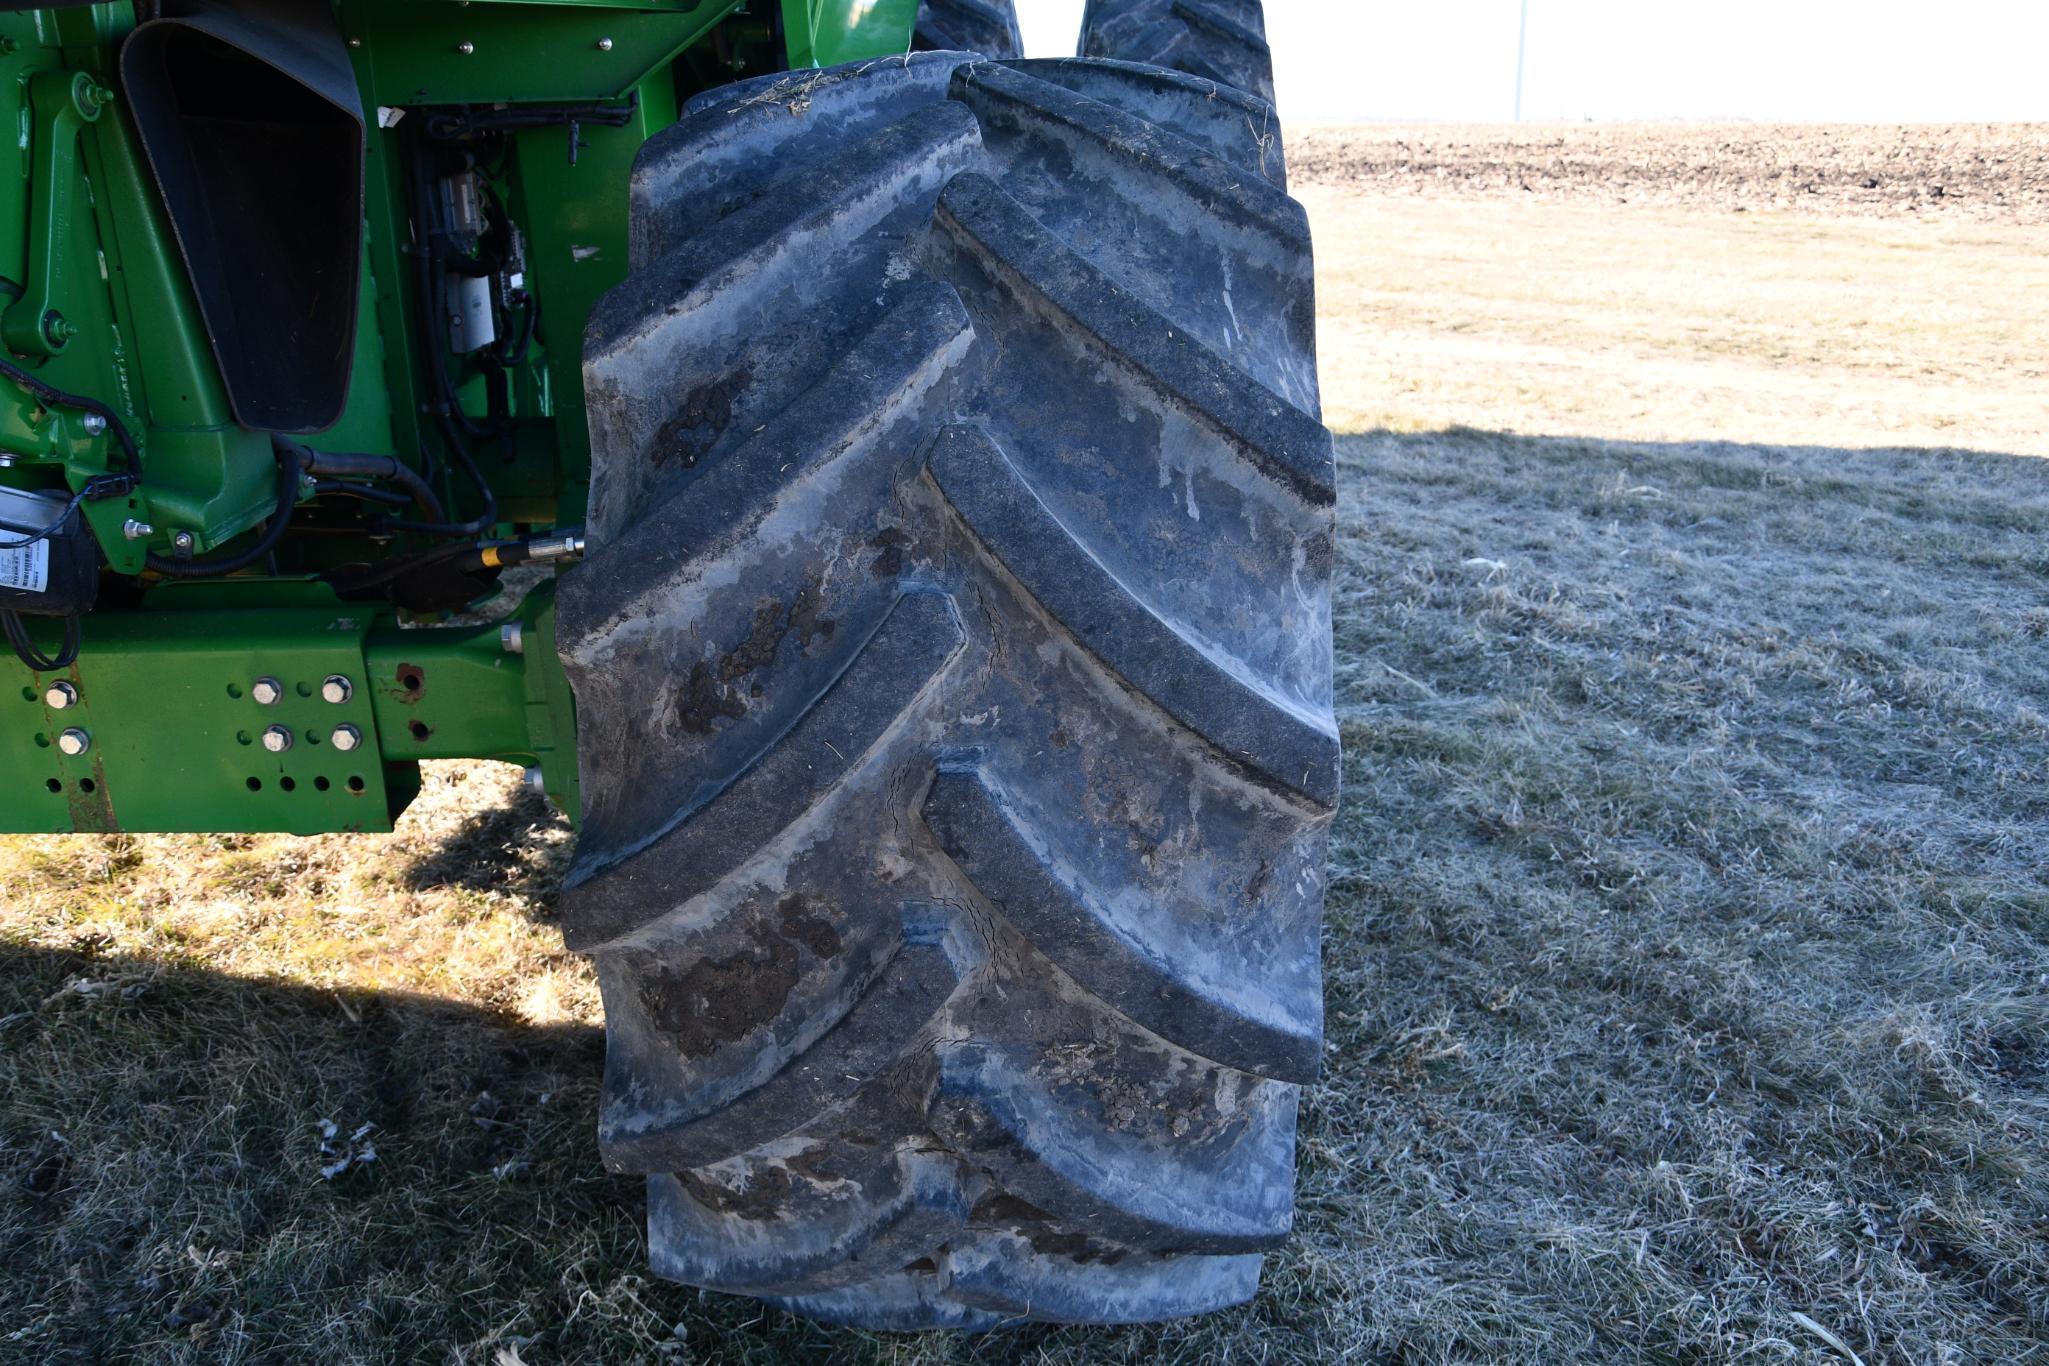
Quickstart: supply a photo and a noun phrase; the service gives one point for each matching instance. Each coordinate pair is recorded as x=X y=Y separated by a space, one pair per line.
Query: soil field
x=1688 y=950
x=1979 y=172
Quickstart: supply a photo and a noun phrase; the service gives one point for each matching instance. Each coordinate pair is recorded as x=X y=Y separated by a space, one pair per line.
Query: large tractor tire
x=953 y=660
x=986 y=27
x=1216 y=40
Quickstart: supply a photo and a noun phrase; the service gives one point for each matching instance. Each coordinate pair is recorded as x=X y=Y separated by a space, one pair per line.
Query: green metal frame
x=94 y=299
x=170 y=705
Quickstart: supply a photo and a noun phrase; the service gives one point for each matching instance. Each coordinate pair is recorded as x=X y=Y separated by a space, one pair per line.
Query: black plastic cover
x=249 y=113
x=57 y=576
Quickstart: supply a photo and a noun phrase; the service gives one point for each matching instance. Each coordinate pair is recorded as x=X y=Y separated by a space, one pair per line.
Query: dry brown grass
x=1689 y=941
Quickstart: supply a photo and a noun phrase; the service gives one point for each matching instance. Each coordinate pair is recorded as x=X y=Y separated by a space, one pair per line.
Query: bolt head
x=277 y=739
x=346 y=738
x=267 y=691
x=60 y=695
x=512 y=638
x=536 y=781
x=183 y=541
x=466 y=47
x=337 y=689
x=137 y=531
x=94 y=424
x=604 y=44
x=74 y=742
x=7 y=459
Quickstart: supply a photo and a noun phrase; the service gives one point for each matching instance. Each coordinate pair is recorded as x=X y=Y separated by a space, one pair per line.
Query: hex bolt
x=277 y=739
x=346 y=738
x=267 y=691
x=93 y=423
x=183 y=542
x=60 y=695
x=466 y=47
x=137 y=531
x=512 y=636
x=337 y=689
x=74 y=742
x=604 y=44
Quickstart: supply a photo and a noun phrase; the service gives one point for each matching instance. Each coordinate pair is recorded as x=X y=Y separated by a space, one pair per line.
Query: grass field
x=1688 y=953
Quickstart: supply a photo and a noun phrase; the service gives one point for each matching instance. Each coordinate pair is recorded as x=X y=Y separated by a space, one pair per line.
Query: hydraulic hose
x=346 y=465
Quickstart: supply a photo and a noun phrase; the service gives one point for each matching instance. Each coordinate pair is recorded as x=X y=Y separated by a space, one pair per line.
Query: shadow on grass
x=509 y=847
x=200 y=1167
x=203 y=1168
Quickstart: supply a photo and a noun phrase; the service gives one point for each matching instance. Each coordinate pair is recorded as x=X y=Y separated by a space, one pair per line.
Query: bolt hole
x=419 y=730
x=54 y=785
x=235 y=691
x=243 y=737
x=87 y=785
x=355 y=784
x=288 y=785
x=321 y=784
x=42 y=742
x=28 y=694
x=256 y=784
x=304 y=690
x=411 y=680
x=312 y=737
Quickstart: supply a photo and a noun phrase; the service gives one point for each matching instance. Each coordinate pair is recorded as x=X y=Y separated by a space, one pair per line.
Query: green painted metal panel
x=410 y=52
x=576 y=225
x=136 y=339
x=176 y=734
x=828 y=32
x=169 y=699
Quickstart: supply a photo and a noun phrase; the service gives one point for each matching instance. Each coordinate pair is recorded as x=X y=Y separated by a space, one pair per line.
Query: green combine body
x=534 y=111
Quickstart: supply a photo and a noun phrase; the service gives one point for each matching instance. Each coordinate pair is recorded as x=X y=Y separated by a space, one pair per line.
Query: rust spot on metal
x=91 y=803
x=412 y=682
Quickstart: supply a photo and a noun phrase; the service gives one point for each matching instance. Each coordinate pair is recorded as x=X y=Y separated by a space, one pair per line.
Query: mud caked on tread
x=953 y=661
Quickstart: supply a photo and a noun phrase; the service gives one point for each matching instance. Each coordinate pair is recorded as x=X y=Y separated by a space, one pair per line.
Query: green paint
x=94 y=298
x=517 y=51
x=60 y=104
x=828 y=32
x=169 y=699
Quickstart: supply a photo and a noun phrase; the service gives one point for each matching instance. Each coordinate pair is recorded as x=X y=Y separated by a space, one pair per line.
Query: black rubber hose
x=51 y=394
x=427 y=264
x=38 y=662
x=456 y=427
x=288 y=469
x=366 y=492
x=459 y=452
x=349 y=465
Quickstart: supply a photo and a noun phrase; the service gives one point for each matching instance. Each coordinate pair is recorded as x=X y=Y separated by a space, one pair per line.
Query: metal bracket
x=61 y=103
x=235 y=708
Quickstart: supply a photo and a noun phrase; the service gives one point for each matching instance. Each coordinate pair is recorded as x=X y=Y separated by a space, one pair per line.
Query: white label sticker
x=25 y=567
